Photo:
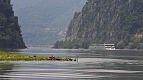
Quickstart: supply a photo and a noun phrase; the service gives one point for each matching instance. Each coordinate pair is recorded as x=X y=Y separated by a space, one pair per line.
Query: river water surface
x=91 y=65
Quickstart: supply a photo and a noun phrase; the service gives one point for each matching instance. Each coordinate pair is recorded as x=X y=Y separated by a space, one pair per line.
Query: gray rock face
x=103 y=20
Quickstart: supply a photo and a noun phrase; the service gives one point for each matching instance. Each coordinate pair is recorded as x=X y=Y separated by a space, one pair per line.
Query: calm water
x=91 y=65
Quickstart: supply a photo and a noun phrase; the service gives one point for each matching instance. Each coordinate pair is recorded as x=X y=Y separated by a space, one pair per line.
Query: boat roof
x=101 y=44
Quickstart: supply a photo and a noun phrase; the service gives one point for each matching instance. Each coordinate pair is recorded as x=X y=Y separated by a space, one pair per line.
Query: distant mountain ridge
x=20 y=4
x=45 y=14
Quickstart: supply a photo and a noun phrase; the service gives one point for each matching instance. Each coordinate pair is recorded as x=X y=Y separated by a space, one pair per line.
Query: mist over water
x=91 y=65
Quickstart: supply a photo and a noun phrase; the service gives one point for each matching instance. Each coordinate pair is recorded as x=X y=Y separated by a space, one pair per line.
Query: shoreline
x=7 y=56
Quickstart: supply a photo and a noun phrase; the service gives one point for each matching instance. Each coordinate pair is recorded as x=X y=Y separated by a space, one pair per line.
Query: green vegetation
x=108 y=21
x=6 y=56
x=131 y=31
x=10 y=32
x=73 y=44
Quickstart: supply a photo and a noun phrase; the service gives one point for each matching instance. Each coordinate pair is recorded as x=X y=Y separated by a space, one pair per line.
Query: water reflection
x=5 y=67
x=92 y=65
x=10 y=50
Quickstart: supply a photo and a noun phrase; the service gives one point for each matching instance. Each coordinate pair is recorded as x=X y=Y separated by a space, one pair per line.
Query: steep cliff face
x=10 y=33
x=107 y=21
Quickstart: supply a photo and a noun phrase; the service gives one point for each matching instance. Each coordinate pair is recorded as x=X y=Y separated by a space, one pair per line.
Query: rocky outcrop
x=10 y=32
x=107 y=21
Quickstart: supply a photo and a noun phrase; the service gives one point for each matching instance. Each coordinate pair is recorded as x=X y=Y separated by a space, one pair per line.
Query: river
x=91 y=65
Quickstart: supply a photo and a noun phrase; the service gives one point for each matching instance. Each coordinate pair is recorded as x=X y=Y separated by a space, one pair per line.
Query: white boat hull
x=102 y=47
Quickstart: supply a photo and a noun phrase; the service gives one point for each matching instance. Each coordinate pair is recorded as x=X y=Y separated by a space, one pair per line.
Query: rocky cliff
x=108 y=21
x=10 y=33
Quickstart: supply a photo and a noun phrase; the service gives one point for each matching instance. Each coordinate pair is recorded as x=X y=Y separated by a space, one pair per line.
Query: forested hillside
x=107 y=21
x=10 y=32
x=45 y=21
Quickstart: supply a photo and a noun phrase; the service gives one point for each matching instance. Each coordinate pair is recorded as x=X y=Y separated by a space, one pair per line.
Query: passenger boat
x=102 y=47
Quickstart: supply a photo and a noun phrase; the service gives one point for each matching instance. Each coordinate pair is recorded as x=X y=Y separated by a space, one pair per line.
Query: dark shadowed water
x=91 y=65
